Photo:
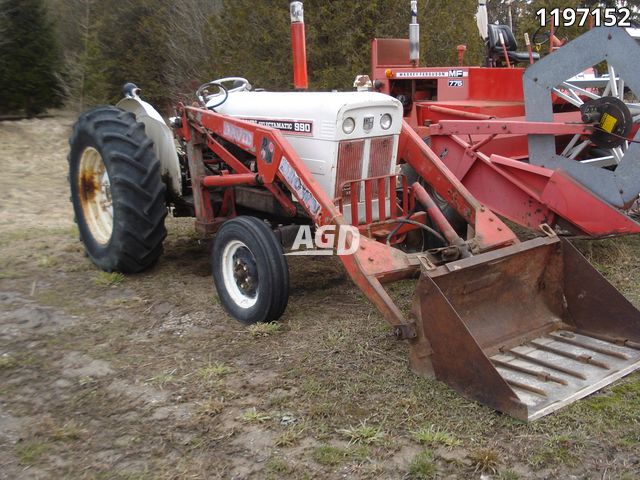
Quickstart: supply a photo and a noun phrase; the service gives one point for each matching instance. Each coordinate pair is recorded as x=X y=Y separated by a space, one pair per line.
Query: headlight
x=349 y=125
x=386 y=121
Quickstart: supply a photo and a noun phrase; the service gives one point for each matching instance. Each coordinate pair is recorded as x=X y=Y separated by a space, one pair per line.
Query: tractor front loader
x=524 y=327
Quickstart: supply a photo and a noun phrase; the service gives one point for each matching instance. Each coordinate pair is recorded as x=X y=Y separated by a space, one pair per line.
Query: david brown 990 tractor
x=524 y=327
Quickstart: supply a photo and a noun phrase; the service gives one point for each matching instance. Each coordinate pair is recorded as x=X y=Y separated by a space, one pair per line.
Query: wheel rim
x=240 y=274
x=94 y=187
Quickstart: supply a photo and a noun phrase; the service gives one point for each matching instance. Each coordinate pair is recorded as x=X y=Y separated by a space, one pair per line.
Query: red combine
x=552 y=143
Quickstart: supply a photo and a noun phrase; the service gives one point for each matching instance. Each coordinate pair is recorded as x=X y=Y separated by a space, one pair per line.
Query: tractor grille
x=350 y=157
x=379 y=160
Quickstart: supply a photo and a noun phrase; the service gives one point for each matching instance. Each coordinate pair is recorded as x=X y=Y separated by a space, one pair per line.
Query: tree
x=252 y=38
x=75 y=22
x=29 y=58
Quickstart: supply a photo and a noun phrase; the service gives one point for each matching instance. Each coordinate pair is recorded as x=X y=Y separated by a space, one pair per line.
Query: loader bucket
x=526 y=329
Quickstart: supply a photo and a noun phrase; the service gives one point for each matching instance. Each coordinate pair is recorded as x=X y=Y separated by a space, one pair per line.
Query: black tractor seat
x=496 y=53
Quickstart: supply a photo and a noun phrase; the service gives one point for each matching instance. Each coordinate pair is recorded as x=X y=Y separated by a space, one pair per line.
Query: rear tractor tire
x=250 y=271
x=117 y=193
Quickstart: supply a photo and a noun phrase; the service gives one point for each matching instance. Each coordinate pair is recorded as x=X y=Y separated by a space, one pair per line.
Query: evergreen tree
x=29 y=58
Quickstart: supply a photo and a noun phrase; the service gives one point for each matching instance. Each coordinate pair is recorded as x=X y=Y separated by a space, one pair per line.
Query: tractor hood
x=320 y=115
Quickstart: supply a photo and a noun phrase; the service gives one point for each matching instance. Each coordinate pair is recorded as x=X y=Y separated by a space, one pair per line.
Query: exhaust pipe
x=298 y=43
x=414 y=35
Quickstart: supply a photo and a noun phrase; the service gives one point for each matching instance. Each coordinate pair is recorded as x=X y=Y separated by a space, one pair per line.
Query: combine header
x=524 y=327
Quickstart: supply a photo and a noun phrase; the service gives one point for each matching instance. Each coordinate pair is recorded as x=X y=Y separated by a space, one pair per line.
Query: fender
x=163 y=142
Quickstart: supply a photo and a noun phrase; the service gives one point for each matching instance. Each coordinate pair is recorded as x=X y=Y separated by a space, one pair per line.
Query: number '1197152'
x=569 y=17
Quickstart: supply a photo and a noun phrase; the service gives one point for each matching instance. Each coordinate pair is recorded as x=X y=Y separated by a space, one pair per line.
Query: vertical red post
x=527 y=42
x=461 y=49
x=299 y=47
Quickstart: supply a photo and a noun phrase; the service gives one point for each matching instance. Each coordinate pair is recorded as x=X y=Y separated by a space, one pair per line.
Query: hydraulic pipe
x=230 y=180
x=299 y=47
x=439 y=219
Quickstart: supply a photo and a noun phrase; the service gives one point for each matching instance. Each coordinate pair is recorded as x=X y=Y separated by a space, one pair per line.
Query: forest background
x=79 y=53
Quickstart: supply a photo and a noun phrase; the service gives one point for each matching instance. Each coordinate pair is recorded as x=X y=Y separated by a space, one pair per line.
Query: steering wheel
x=214 y=100
x=540 y=37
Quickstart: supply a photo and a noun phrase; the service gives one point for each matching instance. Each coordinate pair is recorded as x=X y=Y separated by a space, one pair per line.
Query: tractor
x=524 y=327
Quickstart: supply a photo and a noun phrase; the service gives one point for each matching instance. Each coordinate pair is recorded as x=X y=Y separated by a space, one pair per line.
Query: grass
x=265 y=329
x=278 y=466
x=8 y=273
x=332 y=456
x=363 y=433
x=508 y=475
x=47 y=261
x=423 y=466
x=106 y=279
x=558 y=449
x=290 y=437
x=484 y=460
x=254 y=416
x=162 y=379
x=211 y=407
x=214 y=371
x=621 y=403
x=31 y=451
x=7 y=362
x=434 y=436
x=70 y=431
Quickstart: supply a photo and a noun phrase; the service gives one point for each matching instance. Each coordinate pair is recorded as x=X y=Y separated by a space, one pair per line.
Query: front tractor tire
x=117 y=193
x=250 y=271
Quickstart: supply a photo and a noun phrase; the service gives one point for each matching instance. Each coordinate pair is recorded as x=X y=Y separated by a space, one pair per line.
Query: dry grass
x=194 y=394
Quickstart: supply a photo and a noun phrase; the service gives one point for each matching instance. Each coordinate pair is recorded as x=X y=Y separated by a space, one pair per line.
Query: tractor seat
x=495 y=46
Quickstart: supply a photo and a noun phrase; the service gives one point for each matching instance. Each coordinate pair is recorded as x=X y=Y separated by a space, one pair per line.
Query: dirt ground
x=146 y=377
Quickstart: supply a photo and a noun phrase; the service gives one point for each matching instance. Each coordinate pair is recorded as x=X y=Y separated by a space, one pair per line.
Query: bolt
x=491 y=219
x=371 y=259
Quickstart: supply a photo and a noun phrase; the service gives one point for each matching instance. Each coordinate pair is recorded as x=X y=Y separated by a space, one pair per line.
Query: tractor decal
x=303 y=193
x=431 y=74
x=238 y=135
x=295 y=127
